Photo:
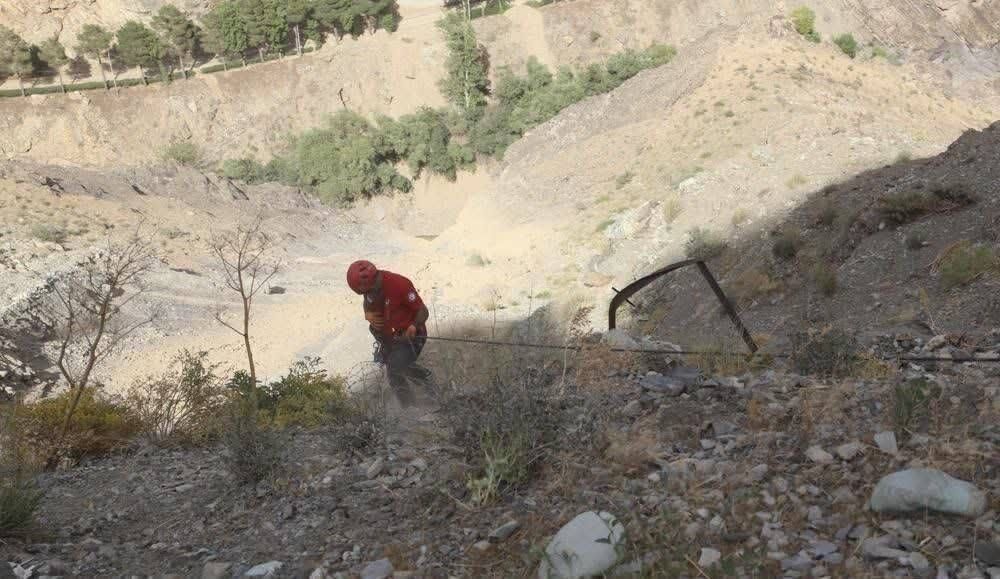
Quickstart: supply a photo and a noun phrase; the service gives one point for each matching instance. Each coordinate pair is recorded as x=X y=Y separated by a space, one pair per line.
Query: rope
x=777 y=355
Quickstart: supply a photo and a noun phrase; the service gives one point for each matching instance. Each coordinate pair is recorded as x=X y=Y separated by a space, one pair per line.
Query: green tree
x=347 y=159
x=375 y=14
x=52 y=53
x=226 y=31
x=298 y=13
x=337 y=16
x=423 y=139
x=265 y=24
x=94 y=41
x=139 y=46
x=178 y=33
x=15 y=56
x=466 y=83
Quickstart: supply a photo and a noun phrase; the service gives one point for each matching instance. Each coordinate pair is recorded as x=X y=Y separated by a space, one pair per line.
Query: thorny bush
x=183 y=404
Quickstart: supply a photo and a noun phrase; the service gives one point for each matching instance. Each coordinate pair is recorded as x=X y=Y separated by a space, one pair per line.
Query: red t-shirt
x=396 y=305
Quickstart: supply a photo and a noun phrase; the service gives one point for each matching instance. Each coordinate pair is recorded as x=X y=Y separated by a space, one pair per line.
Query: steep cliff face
x=37 y=20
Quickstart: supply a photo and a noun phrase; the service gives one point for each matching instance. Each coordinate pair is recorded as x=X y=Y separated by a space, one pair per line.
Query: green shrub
x=703 y=244
x=525 y=101
x=49 y=233
x=182 y=405
x=19 y=500
x=305 y=397
x=965 y=262
x=251 y=171
x=911 y=402
x=100 y=425
x=848 y=45
x=787 y=245
x=804 y=20
x=183 y=152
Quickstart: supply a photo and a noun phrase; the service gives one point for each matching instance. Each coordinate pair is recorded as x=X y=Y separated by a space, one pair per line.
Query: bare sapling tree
x=86 y=314
x=248 y=260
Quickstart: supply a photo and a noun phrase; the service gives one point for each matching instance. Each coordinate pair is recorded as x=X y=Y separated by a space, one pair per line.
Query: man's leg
x=398 y=361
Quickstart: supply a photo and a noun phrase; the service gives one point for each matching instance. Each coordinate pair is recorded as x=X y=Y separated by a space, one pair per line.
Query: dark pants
x=400 y=356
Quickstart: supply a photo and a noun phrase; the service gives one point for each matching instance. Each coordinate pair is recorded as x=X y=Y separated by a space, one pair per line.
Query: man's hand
x=411 y=332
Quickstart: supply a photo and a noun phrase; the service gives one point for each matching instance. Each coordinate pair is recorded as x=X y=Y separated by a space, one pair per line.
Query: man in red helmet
x=397 y=318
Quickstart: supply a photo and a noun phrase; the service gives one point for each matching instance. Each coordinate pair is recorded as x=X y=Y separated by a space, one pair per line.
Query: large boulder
x=927 y=488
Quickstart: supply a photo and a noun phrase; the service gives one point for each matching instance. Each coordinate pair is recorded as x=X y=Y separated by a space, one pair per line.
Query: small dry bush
x=906 y=206
x=703 y=244
x=100 y=425
x=827 y=352
x=253 y=448
x=787 y=245
x=752 y=284
x=963 y=262
x=825 y=278
x=183 y=404
x=632 y=453
x=504 y=429
x=911 y=404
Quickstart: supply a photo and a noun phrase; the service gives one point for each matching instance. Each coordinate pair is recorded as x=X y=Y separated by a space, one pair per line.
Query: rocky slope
x=896 y=271
x=768 y=474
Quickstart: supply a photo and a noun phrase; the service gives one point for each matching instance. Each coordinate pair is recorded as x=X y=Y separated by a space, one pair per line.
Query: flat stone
x=886 y=442
x=848 y=451
x=988 y=552
x=375 y=468
x=758 y=473
x=503 y=532
x=380 y=569
x=216 y=570
x=709 y=558
x=663 y=384
x=818 y=455
x=823 y=548
x=268 y=569
x=800 y=562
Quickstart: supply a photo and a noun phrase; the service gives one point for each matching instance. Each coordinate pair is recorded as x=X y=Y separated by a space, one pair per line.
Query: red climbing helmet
x=361 y=276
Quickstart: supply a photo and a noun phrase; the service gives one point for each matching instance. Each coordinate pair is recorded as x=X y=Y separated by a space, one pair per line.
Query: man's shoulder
x=394 y=280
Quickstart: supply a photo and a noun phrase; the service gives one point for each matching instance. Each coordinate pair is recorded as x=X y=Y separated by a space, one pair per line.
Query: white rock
x=375 y=468
x=848 y=451
x=886 y=442
x=818 y=455
x=265 y=569
x=709 y=558
x=380 y=569
x=926 y=488
x=587 y=545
